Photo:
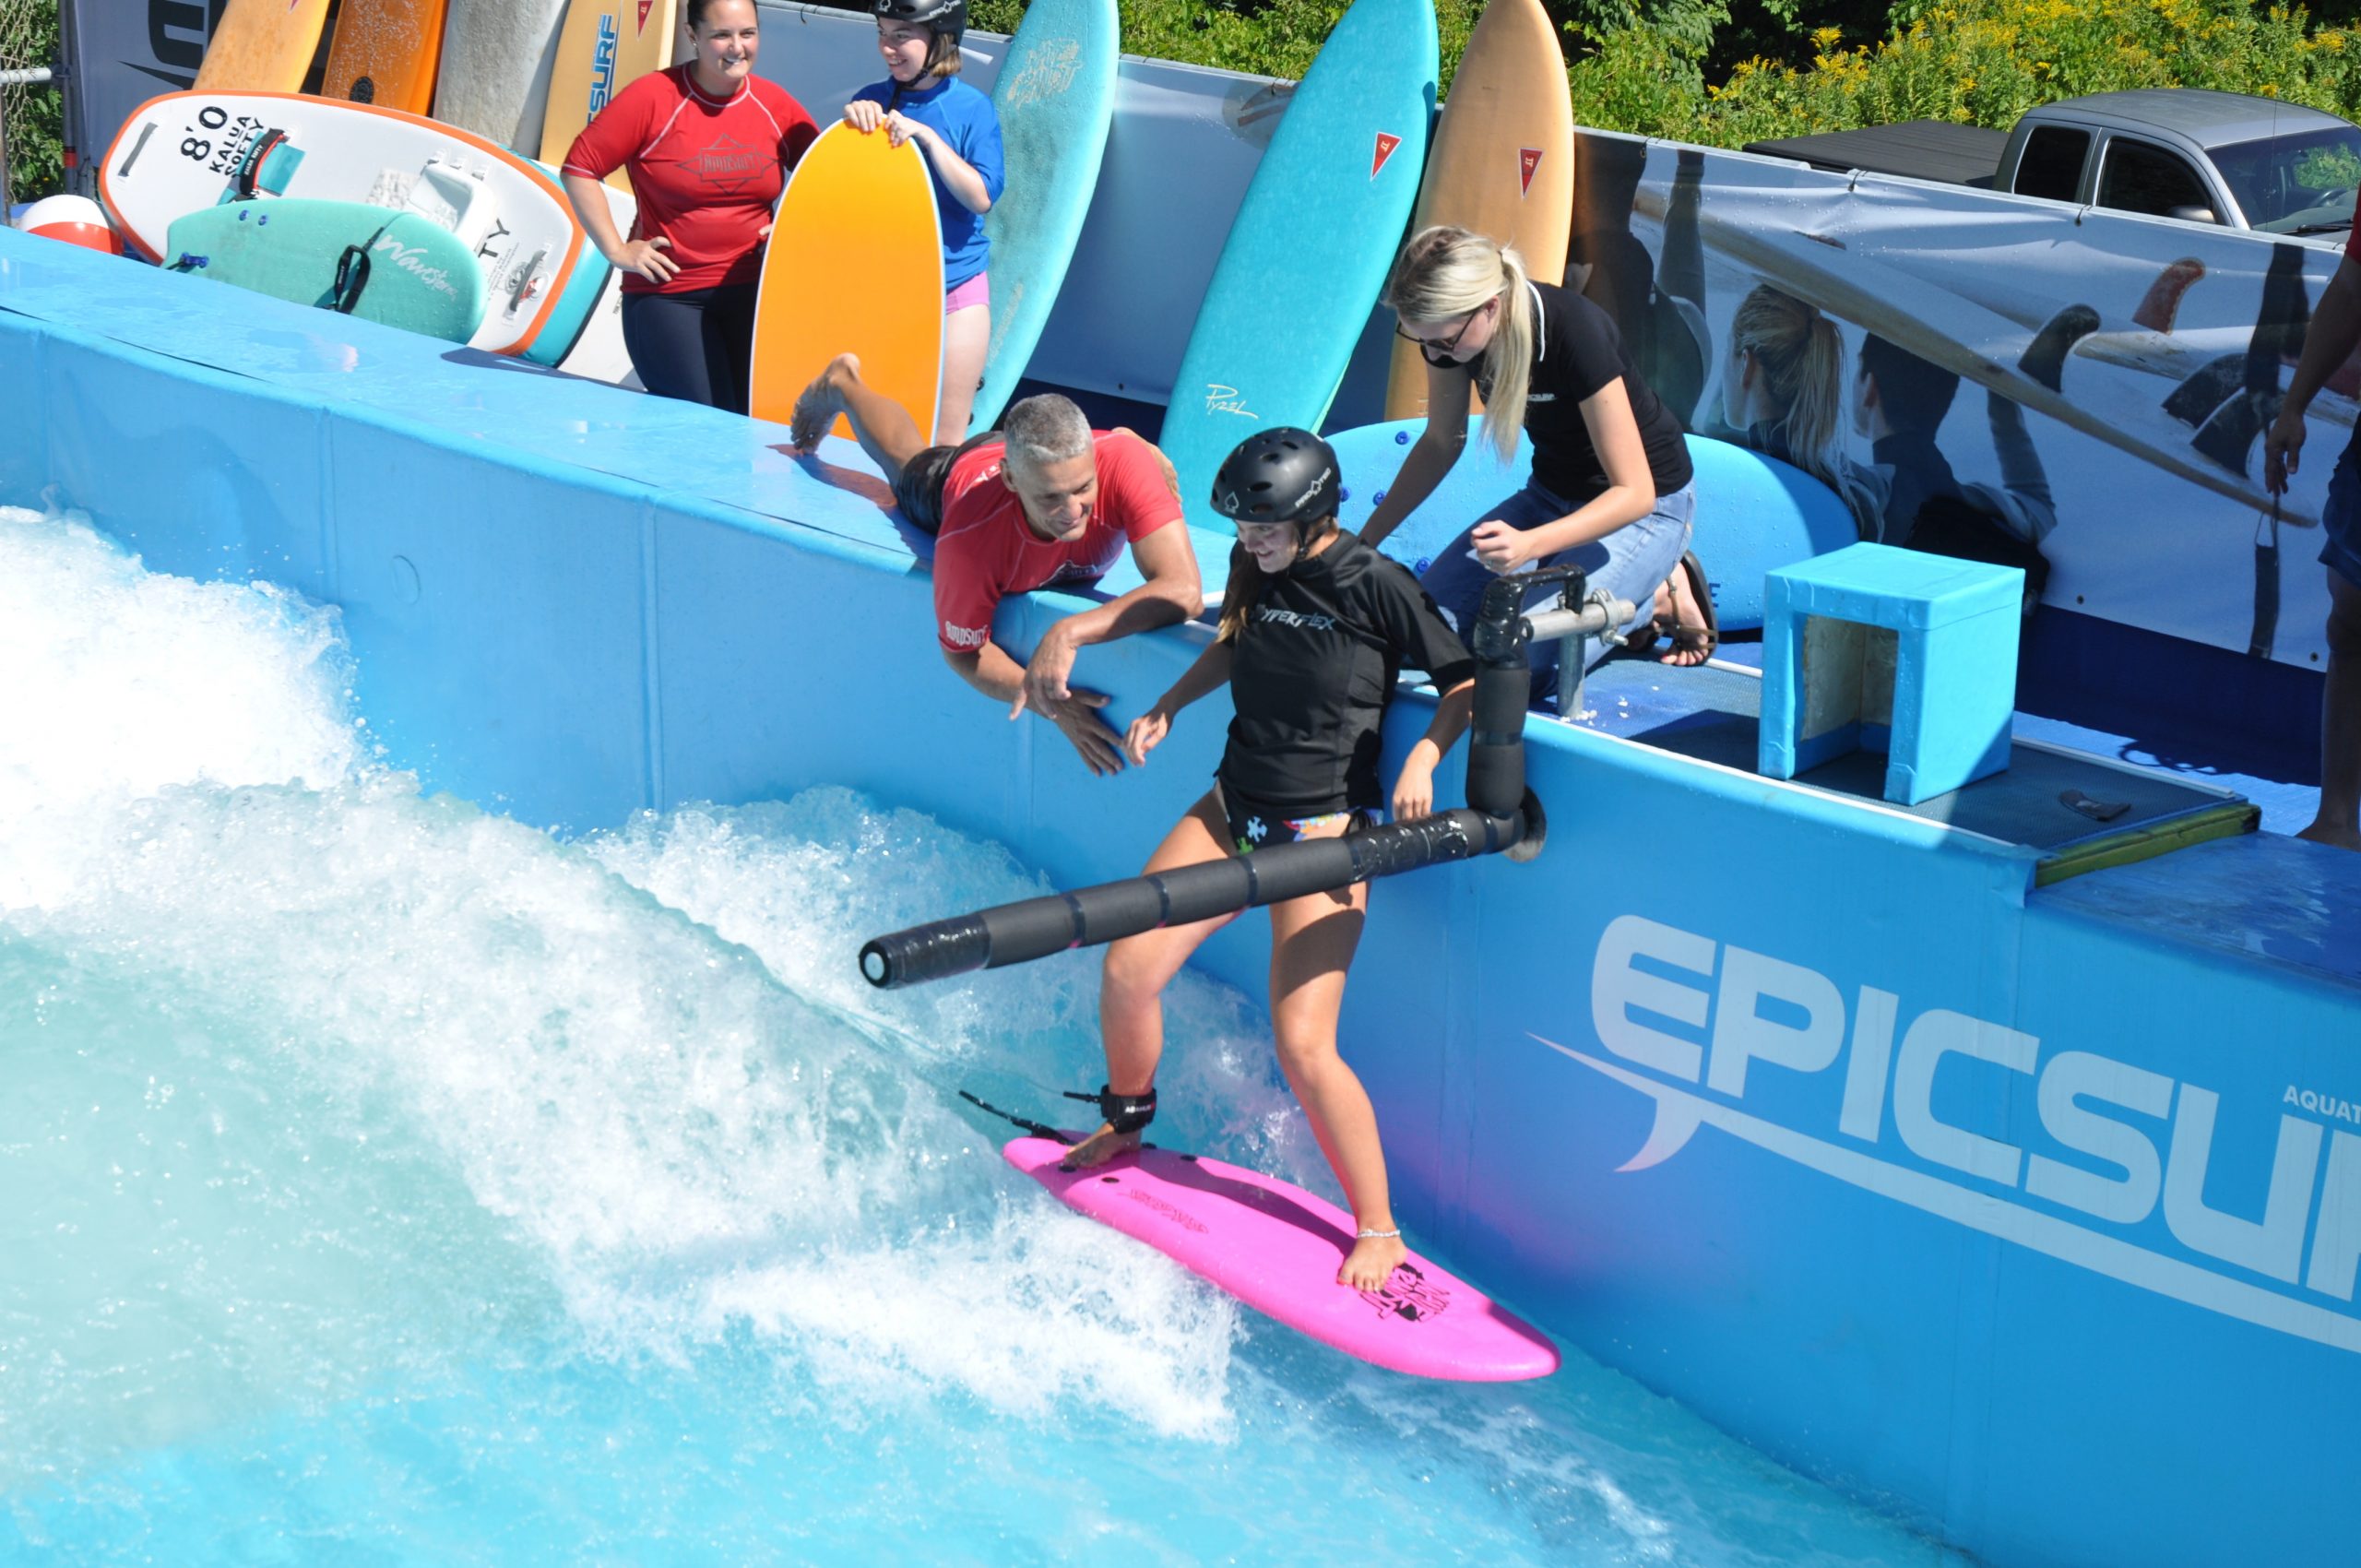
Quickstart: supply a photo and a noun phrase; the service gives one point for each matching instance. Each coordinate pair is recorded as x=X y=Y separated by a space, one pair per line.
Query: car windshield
x=2284 y=184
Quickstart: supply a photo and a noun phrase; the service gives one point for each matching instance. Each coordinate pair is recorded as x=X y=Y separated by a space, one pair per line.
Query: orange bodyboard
x=855 y=264
x=1502 y=161
x=607 y=44
x=384 y=52
x=263 y=46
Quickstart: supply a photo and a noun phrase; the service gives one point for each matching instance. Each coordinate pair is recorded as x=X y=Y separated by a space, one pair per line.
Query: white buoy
x=76 y=219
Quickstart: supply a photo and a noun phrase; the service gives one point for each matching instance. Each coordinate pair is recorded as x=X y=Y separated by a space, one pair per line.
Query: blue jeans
x=1629 y=564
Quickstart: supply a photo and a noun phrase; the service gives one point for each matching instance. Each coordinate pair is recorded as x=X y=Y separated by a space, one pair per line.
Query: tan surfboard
x=1502 y=161
x=607 y=44
x=263 y=46
x=384 y=52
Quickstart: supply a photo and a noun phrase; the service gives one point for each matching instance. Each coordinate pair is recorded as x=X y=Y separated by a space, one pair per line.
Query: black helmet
x=943 y=15
x=1279 y=475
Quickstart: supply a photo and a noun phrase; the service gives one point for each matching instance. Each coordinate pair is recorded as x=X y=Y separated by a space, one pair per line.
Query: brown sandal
x=1700 y=640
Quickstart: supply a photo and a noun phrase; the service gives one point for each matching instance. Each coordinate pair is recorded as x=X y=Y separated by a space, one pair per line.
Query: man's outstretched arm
x=991 y=671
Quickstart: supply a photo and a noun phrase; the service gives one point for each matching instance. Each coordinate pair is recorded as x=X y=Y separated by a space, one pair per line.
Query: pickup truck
x=2202 y=157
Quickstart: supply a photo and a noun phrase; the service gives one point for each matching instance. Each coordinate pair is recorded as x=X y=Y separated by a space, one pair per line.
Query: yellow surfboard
x=607 y=44
x=384 y=52
x=1502 y=161
x=855 y=264
x=263 y=46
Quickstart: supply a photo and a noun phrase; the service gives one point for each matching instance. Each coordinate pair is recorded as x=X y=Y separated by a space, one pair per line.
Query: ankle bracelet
x=1379 y=1235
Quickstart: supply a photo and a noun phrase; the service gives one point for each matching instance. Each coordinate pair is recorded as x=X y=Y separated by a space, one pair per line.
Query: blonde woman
x=1783 y=395
x=1610 y=489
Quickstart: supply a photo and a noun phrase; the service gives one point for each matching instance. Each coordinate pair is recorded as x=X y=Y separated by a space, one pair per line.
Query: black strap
x=351 y=276
x=1124 y=1113
x=242 y=183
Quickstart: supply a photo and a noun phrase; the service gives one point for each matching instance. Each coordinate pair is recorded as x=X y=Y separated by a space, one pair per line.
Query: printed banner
x=2077 y=392
x=126 y=53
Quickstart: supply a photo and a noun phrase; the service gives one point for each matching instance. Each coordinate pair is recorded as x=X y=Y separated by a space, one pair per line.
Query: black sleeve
x=1585 y=336
x=1420 y=638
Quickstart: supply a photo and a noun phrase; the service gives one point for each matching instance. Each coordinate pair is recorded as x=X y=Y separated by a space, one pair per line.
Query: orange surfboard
x=607 y=44
x=855 y=264
x=384 y=52
x=1502 y=161
x=263 y=46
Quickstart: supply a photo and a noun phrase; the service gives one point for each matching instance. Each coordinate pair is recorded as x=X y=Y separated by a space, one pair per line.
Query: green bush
x=1975 y=62
x=36 y=116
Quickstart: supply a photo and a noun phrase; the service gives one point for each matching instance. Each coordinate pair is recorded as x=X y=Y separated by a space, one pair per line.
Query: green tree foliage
x=36 y=124
x=1726 y=71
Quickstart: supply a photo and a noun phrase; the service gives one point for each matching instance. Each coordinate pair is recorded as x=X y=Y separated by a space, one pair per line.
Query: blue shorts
x=2341 y=518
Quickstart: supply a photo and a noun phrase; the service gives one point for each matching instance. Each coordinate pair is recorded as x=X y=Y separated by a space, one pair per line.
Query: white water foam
x=686 y=1146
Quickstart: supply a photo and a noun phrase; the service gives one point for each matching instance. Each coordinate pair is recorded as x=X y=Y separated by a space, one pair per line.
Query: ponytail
x=1446 y=271
x=1802 y=359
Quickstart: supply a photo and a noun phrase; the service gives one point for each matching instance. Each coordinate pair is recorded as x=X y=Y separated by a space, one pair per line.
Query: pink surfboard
x=1276 y=1247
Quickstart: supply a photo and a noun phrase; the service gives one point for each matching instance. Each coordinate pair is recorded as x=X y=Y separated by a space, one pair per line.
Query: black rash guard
x=1313 y=669
x=1576 y=354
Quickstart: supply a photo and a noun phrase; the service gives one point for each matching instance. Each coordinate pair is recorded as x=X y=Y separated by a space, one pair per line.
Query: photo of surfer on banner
x=1611 y=488
x=1316 y=628
x=1782 y=380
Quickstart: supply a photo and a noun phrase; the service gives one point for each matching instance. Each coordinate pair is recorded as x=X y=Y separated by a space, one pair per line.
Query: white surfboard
x=598 y=353
x=497 y=55
x=187 y=150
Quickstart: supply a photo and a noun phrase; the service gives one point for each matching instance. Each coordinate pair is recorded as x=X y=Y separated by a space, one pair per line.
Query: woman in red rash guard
x=707 y=145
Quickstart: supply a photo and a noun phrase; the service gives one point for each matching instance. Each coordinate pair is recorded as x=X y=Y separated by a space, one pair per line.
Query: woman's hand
x=1500 y=548
x=900 y=129
x=1147 y=731
x=647 y=258
x=1414 y=792
x=864 y=114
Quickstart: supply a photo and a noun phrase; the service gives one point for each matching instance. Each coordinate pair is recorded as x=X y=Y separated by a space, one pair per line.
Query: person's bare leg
x=1133 y=975
x=884 y=427
x=2338 y=821
x=1312 y=940
x=966 y=336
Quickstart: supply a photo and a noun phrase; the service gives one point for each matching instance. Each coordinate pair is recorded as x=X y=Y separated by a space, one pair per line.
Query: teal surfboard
x=1055 y=97
x=398 y=269
x=1754 y=514
x=1311 y=244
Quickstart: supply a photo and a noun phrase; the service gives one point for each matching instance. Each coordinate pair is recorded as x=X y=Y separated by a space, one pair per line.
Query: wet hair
x=1446 y=271
x=1044 y=430
x=1246 y=576
x=1916 y=393
x=694 y=13
x=1802 y=360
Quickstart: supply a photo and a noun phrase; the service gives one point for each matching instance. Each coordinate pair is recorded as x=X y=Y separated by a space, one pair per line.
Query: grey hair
x=1044 y=430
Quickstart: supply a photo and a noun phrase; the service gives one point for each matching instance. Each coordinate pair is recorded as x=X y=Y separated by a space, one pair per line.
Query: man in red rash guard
x=707 y=145
x=1045 y=501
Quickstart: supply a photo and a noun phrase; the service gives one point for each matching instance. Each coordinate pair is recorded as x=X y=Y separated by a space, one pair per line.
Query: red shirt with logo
x=707 y=171
x=985 y=550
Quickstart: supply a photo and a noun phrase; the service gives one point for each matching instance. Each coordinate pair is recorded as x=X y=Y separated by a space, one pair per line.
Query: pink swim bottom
x=976 y=290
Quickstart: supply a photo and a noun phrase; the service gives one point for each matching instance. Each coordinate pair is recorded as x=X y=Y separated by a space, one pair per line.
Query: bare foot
x=1100 y=1147
x=1372 y=1261
x=817 y=406
x=2335 y=835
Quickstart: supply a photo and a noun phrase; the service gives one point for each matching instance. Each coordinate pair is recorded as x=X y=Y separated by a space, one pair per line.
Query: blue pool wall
x=571 y=603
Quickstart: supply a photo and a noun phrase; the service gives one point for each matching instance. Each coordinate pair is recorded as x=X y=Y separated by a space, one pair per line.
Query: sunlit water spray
x=386 y=1171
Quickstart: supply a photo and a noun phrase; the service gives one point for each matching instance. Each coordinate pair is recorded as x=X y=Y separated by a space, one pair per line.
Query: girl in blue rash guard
x=1315 y=627
x=923 y=100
